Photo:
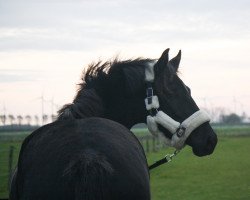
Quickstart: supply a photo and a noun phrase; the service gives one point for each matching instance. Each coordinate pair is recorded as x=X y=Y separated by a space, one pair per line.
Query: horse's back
x=90 y=158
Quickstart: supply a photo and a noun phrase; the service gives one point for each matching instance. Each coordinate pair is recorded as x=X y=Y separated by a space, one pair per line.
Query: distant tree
x=45 y=119
x=19 y=119
x=53 y=118
x=36 y=119
x=28 y=119
x=11 y=119
x=231 y=119
x=3 y=119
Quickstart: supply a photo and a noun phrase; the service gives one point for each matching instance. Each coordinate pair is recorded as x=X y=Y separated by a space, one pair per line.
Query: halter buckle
x=180 y=131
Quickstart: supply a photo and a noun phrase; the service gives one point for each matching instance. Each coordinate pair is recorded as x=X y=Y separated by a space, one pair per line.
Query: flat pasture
x=223 y=175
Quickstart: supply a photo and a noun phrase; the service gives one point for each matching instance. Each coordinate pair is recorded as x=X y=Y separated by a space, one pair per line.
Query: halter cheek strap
x=180 y=131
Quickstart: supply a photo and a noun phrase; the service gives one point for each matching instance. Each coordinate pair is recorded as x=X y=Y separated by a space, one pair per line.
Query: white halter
x=180 y=131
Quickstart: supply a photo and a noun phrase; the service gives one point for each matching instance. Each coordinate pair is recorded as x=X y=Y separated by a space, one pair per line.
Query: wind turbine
x=41 y=98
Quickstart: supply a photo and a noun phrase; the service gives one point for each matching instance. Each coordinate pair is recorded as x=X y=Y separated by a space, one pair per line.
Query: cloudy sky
x=45 y=45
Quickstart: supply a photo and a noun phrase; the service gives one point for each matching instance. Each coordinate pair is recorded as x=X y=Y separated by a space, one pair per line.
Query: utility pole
x=42 y=106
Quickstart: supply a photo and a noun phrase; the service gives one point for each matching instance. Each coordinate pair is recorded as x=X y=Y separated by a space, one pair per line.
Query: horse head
x=116 y=90
x=176 y=105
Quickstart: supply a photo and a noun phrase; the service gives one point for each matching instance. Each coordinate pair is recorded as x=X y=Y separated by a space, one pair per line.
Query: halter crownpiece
x=180 y=131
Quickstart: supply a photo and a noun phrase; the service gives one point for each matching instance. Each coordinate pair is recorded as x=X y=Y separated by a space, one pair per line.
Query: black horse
x=89 y=153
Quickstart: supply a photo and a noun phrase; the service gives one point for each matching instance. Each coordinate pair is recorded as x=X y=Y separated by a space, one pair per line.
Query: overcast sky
x=45 y=45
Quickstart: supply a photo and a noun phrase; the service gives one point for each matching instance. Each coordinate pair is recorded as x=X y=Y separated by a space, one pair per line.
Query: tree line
x=10 y=119
x=26 y=119
x=232 y=118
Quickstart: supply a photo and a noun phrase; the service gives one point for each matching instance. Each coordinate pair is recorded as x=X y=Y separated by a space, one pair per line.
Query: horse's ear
x=163 y=61
x=174 y=62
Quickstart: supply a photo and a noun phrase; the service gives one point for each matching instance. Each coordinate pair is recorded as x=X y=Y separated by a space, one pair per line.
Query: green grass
x=238 y=130
x=4 y=172
x=223 y=175
x=13 y=136
x=232 y=130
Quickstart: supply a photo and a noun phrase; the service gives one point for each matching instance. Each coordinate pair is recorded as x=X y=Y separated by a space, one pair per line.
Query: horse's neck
x=86 y=104
x=127 y=112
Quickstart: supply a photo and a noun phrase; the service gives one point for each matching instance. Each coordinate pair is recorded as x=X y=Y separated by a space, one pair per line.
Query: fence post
x=11 y=151
x=151 y=144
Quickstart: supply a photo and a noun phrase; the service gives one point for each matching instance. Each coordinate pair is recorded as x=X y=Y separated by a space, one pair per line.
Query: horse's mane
x=102 y=77
x=98 y=73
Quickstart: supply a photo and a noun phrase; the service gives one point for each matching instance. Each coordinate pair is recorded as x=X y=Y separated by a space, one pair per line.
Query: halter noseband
x=180 y=131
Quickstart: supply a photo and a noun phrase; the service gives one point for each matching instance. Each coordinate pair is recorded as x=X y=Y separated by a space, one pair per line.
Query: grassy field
x=13 y=136
x=236 y=130
x=223 y=175
x=4 y=172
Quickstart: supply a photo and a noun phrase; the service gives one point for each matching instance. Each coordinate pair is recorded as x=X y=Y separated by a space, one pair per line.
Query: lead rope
x=168 y=158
